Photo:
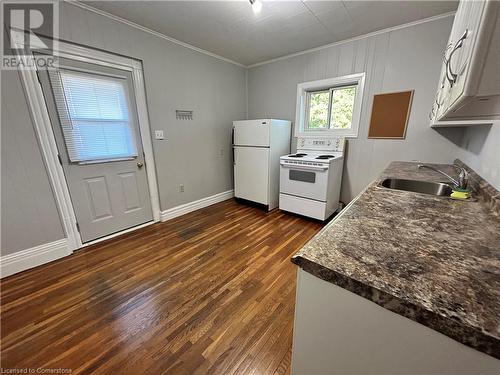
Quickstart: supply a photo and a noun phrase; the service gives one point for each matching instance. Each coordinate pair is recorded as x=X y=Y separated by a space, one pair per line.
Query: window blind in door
x=95 y=115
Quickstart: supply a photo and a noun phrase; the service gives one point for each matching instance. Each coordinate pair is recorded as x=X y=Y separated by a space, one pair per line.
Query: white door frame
x=43 y=127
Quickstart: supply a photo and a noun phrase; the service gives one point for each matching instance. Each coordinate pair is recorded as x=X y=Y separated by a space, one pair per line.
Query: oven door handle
x=304 y=167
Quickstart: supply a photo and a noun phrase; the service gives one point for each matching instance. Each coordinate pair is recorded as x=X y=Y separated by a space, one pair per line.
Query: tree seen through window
x=339 y=101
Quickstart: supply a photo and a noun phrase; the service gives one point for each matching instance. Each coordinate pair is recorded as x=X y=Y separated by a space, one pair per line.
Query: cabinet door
x=459 y=98
x=468 y=19
x=457 y=56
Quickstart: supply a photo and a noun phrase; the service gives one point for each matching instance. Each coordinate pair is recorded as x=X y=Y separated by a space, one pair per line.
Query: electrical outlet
x=181 y=188
x=159 y=134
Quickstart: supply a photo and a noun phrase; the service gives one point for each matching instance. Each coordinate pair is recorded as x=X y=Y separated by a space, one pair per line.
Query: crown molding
x=103 y=13
x=364 y=36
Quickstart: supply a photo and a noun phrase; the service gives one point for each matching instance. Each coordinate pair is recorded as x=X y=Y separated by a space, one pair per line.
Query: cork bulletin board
x=390 y=113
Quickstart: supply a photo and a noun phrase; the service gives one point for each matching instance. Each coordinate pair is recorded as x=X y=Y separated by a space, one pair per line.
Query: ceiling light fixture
x=256 y=6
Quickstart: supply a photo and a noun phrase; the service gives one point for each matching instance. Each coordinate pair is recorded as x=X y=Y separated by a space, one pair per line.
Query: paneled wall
x=404 y=59
x=194 y=153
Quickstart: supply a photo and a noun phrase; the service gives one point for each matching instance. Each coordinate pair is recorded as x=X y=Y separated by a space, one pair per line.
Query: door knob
x=139 y=164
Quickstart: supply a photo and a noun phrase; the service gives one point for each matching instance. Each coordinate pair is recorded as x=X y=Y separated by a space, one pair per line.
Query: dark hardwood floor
x=211 y=292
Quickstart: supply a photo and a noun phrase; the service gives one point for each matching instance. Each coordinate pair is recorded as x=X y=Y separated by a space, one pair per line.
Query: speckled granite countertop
x=431 y=259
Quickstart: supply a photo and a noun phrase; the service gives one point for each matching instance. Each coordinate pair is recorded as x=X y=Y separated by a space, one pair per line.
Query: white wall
x=194 y=153
x=404 y=59
x=29 y=212
x=480 y=149
x=176 y=78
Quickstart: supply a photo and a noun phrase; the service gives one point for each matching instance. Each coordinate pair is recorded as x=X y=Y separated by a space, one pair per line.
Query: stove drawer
x=305 y=207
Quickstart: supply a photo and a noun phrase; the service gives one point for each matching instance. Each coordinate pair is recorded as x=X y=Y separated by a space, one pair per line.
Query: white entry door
x=94 y=118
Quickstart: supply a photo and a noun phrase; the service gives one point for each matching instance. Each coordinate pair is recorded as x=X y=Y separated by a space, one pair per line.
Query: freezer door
x=251 y=133
x=251 y=174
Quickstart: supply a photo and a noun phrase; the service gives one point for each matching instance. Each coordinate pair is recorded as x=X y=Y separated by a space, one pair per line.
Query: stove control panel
x=335 y=144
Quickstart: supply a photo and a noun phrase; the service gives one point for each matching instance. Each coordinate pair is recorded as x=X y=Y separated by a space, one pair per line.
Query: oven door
x=307 y=181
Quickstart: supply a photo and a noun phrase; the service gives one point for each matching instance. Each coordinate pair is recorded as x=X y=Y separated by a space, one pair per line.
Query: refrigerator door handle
x=232 y=143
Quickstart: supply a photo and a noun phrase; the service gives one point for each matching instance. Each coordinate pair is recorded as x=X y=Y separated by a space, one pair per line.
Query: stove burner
x=325 y=157
x=297 y=155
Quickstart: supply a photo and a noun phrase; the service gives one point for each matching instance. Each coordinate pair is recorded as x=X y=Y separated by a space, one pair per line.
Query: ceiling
x=231 y=29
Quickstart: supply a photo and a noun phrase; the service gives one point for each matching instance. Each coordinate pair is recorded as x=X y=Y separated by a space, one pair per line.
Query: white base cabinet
x=339 y=332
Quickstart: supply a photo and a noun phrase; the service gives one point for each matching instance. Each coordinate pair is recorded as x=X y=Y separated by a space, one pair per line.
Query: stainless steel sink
x=424 y=187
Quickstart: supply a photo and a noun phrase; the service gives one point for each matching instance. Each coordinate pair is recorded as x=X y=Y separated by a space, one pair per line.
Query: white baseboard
x=32 y=257
x=196 y=205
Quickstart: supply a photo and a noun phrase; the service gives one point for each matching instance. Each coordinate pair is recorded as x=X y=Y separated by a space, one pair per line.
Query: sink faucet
x=463 y=176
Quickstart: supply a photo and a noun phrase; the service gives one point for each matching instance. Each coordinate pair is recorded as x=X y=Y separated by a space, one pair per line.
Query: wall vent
x=183 y=115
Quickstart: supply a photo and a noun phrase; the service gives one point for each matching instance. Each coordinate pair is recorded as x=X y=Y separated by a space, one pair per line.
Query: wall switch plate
x=159 y=134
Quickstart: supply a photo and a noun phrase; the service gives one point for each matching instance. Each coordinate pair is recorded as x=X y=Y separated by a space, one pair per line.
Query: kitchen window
x=331 y=106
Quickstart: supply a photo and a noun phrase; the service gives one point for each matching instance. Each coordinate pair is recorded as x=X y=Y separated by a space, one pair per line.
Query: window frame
x=329 y=84
x=308 y=108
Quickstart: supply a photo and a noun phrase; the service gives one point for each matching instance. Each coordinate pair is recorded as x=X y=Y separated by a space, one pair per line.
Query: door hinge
x=59 y=158
x=77 y=227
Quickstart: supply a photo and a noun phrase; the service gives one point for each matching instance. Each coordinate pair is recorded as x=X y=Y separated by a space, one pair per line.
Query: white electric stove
x=310 y=179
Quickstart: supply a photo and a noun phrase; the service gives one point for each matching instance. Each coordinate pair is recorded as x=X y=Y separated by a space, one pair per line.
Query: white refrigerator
x=257 y=147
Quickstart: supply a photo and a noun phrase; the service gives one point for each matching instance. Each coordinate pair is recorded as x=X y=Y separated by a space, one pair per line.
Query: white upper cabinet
x=469 y=86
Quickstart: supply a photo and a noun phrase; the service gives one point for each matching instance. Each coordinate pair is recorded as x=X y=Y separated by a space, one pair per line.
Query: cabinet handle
x=445 y=59
x=432 y=113
x=438 y=105
x=447 y=70
x=448 y=46
x=445 y=62
x=452 y=77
